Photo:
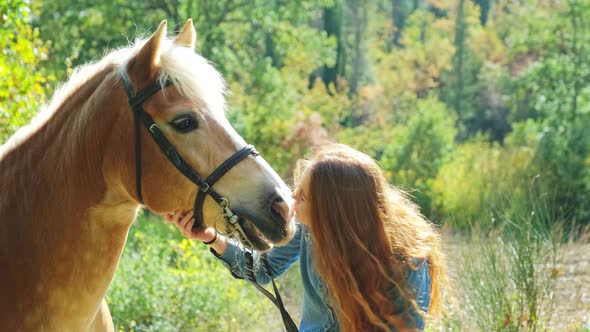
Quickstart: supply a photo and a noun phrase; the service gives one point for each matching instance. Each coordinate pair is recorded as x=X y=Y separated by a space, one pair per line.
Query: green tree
x=460 y=85
x=423 y=146
x=333 y=25
x=552 y=88
x=22 y=86
x=82 y=31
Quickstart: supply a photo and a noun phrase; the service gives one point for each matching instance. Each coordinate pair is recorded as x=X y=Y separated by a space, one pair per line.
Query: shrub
x=472 y=187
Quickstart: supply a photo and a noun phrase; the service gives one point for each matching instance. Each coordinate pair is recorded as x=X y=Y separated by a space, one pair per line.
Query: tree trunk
x=359 y=21
x=333 y=19
x=460 y=31
x=398 y=15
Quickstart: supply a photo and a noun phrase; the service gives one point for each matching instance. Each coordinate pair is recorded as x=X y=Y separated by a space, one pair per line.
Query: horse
x=73 y=180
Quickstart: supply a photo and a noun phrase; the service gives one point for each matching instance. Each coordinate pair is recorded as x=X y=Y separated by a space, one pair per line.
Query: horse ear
x=187 y=36
x=144 y=65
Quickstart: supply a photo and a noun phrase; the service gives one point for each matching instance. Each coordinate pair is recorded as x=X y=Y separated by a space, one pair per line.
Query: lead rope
x=290 y=325
x=233 y=227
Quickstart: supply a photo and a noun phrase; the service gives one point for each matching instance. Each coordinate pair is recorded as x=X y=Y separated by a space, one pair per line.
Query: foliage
x=423 y=146
x=278 y=120
x=471 y=189
x=554 y=91
x=22 y=86
x=94 y=27
x=91 y=29
x=405 y=74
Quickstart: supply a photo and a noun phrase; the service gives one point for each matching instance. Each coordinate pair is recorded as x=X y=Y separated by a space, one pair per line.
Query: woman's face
x=301 y=206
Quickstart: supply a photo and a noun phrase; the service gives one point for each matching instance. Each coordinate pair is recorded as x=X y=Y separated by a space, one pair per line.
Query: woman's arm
x=279 y=258
x=419 y=284
x=233 y=255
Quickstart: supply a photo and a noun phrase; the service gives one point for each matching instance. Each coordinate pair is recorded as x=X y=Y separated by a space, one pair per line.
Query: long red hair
x=365 y=234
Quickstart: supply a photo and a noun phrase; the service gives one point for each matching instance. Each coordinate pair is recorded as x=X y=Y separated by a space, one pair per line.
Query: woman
x=369 y=260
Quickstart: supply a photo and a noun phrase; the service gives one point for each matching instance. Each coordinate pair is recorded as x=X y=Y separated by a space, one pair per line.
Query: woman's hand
x=184 y=221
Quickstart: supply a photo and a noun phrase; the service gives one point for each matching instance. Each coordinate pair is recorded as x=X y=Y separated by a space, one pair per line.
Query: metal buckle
x=223 y=204
x=226 y=231
x=152 y=126
x=206 y=187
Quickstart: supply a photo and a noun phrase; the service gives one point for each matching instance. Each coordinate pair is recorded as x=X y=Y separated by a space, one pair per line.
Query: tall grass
x=509 y=274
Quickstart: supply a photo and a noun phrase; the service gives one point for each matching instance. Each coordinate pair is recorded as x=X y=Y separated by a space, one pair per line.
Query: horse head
x=180 y=95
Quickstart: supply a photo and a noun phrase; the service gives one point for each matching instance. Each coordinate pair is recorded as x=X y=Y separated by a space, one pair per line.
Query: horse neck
x=62 y=226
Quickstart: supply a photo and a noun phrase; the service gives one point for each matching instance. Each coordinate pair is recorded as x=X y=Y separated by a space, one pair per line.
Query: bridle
x=233 y=223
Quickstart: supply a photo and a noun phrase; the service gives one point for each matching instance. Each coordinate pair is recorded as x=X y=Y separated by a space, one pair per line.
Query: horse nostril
x=280 y=209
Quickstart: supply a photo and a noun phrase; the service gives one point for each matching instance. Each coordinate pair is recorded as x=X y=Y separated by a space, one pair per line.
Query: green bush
x=474 y=185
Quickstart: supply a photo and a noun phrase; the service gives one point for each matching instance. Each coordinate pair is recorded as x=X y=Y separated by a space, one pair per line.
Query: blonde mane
x=193 y=76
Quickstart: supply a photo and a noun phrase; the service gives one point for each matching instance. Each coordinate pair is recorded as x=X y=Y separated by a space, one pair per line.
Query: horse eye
x=184 y=124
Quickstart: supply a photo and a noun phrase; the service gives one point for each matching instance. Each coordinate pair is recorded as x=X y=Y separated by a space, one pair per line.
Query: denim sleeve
x=419 y=282
x=279 y=258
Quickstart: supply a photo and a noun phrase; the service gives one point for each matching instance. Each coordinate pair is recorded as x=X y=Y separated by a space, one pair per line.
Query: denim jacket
x=317 y=313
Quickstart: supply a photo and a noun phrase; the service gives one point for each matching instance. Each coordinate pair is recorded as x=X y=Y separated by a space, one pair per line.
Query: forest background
x=479 y=109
